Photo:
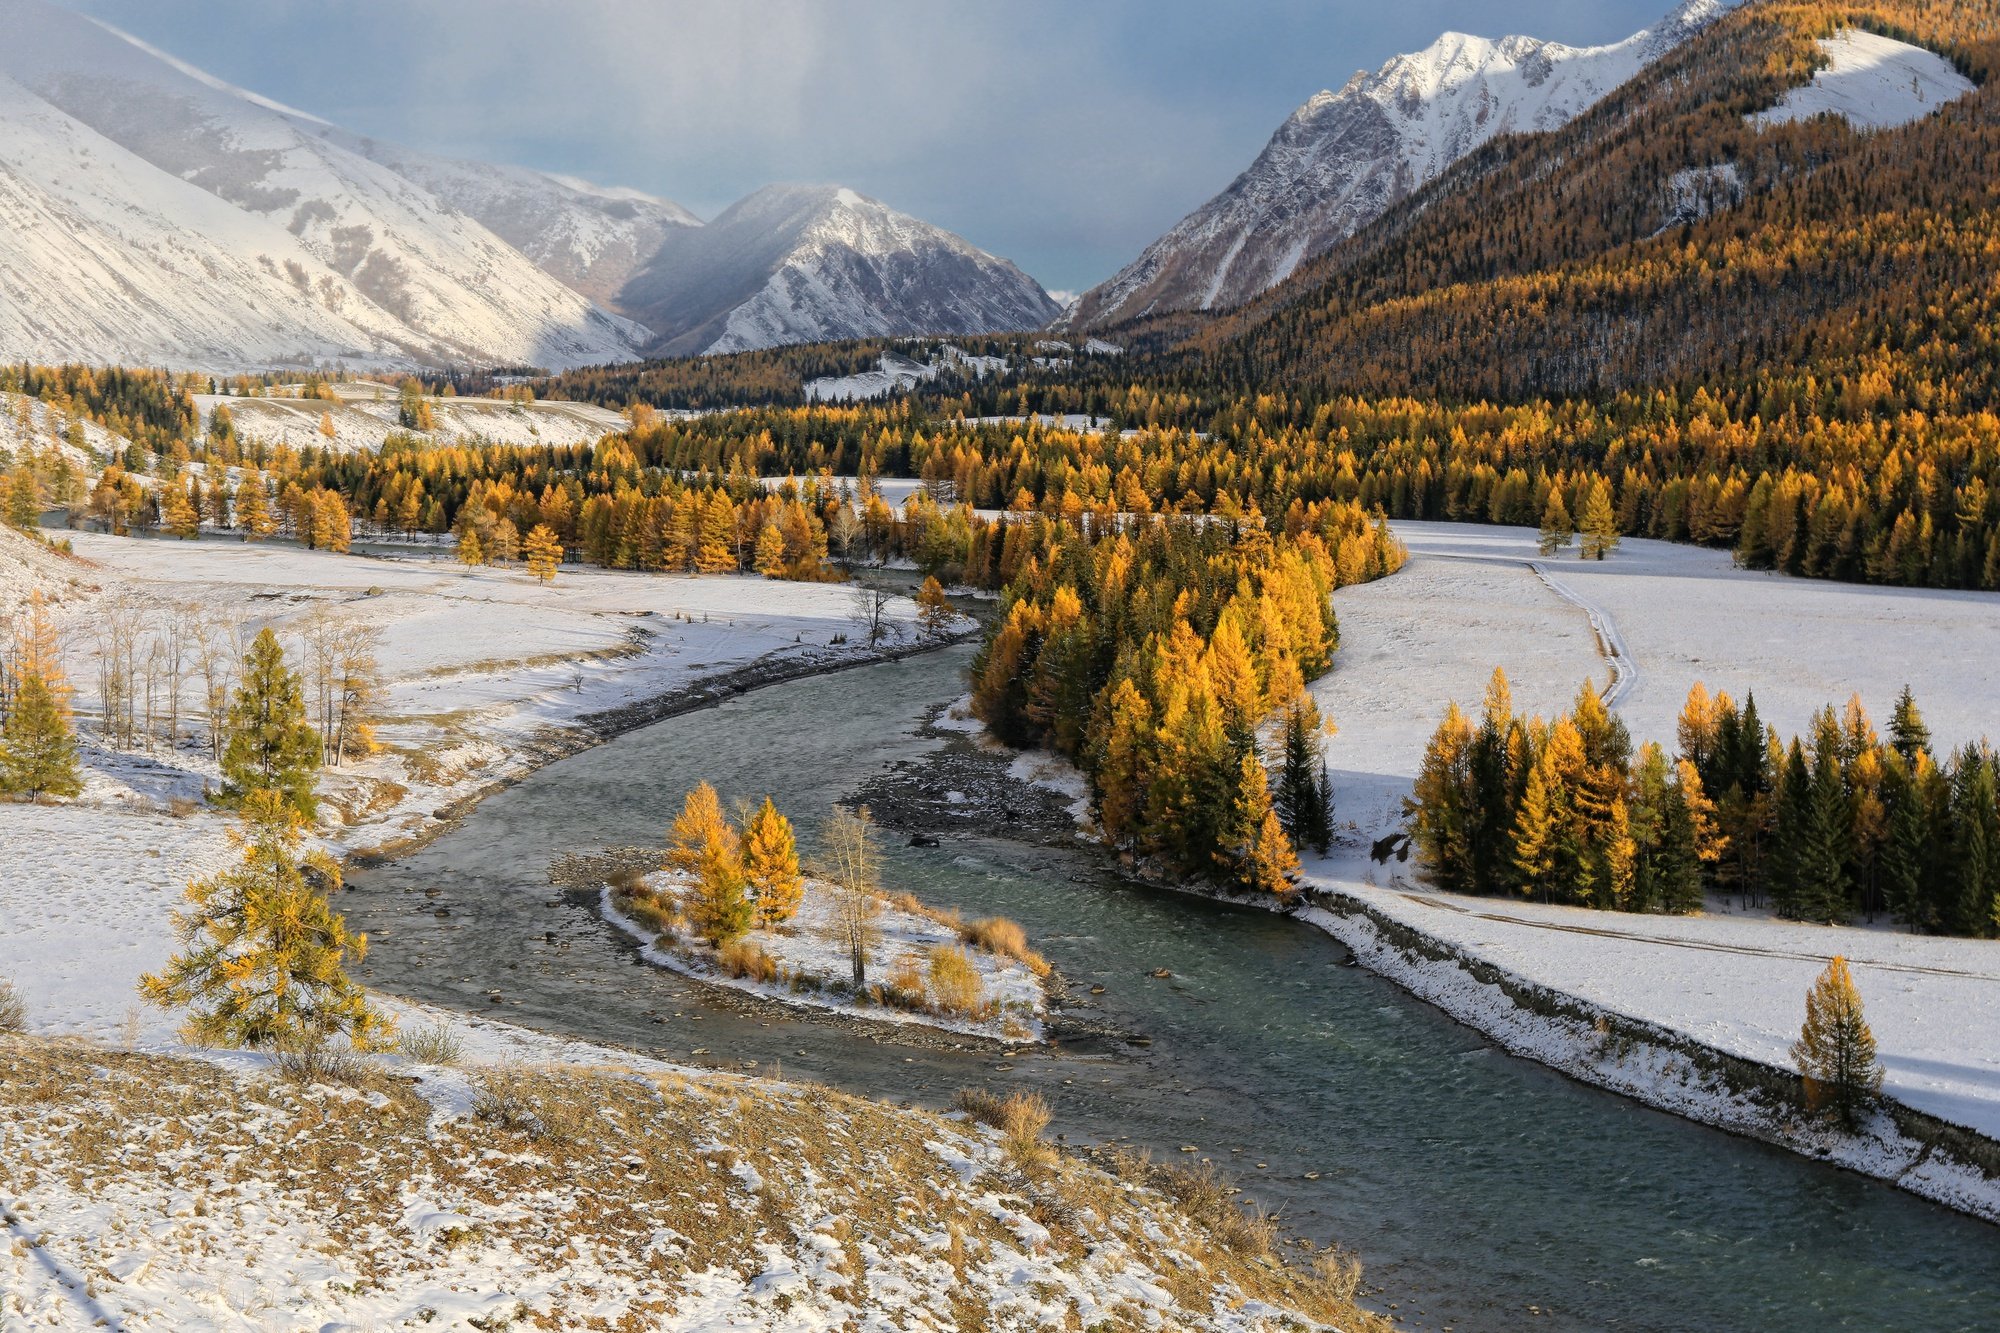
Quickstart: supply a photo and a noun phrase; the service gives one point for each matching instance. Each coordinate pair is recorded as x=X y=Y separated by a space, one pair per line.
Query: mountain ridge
x=1345 y=157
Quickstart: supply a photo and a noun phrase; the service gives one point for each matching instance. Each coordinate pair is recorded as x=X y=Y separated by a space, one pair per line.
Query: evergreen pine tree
x=1905 y=852
x=263 y=955
x=37 y=750
x=1835 y=1052
x=1975 y=846
x=1300 y=799
x=771 y=865
x=1492 y=808
x=1907 y=732
x=1821 y=868
x=1258 y=857
x=1785 y=877
x=271 y=746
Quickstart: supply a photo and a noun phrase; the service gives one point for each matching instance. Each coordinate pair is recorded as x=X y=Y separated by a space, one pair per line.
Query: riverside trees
x=1835 y=1052
x=1154 y=654
x=1835 y=824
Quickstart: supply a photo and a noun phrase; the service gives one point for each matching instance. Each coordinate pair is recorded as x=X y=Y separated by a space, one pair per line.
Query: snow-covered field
x=810 y=948
x=485 y=668
x=1473 y=598
x=1872 y=82
x=367 y=414
x=487 y=673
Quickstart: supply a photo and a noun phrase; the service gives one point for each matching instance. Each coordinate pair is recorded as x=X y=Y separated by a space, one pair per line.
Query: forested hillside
x=1824 y=262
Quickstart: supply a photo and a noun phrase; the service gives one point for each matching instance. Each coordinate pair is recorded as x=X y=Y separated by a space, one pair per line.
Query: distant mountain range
x=150 y=213
x=1345 y=158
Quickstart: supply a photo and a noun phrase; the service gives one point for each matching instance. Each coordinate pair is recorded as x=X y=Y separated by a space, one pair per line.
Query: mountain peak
x=801 y=263
x=1344 y=158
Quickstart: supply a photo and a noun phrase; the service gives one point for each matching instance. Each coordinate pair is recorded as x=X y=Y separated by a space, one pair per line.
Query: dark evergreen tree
x=271 y=746
x=1907 y=731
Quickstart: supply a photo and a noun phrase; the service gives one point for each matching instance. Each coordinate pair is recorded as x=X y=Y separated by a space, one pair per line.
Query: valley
x=1421 y=756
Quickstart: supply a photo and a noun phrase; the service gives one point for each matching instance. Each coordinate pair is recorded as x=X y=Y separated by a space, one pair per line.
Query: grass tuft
x=1004 y=939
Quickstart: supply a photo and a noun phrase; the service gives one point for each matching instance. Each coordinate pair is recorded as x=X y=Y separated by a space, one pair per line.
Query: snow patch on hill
x=897 y=373
x=1873 y=83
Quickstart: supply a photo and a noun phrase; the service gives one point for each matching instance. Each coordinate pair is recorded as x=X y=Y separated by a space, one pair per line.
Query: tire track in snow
x=1705 y=946
x=1610 y=644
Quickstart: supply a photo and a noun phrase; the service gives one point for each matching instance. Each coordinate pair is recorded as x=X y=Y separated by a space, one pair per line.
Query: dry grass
x=729 y=1166
x=436 y=1044
x=1004 y=939
x=745 y=958
x=1020 y=1117
x=904 y=987
x=955 y=985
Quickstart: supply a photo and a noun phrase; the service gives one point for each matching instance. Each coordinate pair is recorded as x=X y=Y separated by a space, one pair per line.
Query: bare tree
x=320 y=631
x=219 y=649
x=120 y=626
x=358 y=687
x=843 y=529
x=178 y=647
x=856 y=874
x=871 y=605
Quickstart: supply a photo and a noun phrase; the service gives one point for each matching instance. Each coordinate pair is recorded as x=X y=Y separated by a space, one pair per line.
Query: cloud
x=1063 y=135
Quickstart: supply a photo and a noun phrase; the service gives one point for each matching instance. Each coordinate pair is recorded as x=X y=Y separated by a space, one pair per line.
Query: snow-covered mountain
x=589 y=237
x=157 y=214
x=151 y=213
x=800 y=263
x=1344 y=158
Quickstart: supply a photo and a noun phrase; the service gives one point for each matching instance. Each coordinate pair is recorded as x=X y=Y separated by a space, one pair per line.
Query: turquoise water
x=1482 y=1192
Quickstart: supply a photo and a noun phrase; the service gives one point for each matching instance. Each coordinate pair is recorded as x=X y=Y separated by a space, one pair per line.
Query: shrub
x=955 y=984
x=746 y=958
x=905 y=986
x=322 y=1062
x=433 y=1045
x=1020 y=1117
x=1004 y=939
x=13 y=1009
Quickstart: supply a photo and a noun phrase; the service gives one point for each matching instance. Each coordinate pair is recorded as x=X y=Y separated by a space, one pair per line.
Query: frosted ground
x=811 y=945
x=1471 y=598
x=1873 y=82
x=487 y=673
x=221 y=1224
x=366 y=414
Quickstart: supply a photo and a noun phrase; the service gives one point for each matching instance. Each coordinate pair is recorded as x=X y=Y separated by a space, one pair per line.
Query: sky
x=1062 y=134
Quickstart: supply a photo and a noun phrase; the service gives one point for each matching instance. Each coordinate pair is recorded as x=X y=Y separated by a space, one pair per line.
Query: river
x=1482 y=1192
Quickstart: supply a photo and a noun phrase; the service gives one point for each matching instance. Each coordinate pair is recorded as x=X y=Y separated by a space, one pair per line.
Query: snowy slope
x=589 y=237
x=158 y=215
x=1345 y=157
x=804 y=263
x=1873 y=82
